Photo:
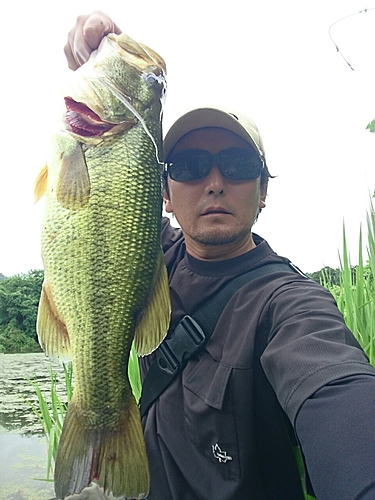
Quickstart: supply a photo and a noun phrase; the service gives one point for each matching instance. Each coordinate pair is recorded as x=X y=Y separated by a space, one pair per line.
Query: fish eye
x=151 y=79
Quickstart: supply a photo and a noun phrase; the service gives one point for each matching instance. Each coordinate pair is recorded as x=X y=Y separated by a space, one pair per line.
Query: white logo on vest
x=220 y=454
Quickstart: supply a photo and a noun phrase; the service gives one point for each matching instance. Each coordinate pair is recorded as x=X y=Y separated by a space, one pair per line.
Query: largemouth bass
x=105 y=279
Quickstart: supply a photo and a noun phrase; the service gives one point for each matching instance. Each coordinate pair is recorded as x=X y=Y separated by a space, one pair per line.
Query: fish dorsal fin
x=154 y=324
x=52 y=332
x=40 y=186
x=73 y=186
x=139 y=51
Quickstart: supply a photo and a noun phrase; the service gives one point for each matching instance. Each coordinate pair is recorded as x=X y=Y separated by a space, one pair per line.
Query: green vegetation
x=354 y=291
x=19 y=298
x=51 y=412
x=332 y=275
x=371 y=126
x=134 y=374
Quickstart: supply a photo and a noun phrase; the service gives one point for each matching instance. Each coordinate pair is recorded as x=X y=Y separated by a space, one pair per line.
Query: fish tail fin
x=116 y=460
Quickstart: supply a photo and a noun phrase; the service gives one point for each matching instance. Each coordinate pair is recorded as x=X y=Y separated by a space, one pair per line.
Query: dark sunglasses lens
x=240 y=164
x=189 y=165
x=234 y=163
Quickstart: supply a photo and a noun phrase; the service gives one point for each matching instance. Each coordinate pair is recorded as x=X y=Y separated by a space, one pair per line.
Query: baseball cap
x=234 y=121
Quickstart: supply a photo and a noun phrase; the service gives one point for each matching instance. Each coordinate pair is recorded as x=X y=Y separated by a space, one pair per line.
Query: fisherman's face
x=216 y=214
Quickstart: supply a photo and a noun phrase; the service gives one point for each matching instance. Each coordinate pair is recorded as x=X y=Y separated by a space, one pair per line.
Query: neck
x=218 y=252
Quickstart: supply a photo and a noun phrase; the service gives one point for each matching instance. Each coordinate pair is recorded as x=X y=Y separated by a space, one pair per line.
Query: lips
x=215 y=210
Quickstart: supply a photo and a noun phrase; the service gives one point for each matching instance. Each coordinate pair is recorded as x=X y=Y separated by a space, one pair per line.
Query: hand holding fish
x=86 y=36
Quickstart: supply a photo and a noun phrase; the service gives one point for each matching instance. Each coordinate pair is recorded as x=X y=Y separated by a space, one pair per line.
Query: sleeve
x=336 y=431
x=309 y=345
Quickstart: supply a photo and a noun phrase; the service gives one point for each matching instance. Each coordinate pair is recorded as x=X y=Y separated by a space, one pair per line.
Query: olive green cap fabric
x=234 y=121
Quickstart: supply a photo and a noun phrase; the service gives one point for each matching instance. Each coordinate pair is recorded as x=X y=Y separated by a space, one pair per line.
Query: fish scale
x=105 y=277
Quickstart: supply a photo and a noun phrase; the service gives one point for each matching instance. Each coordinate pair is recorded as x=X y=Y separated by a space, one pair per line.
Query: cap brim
x=237 y=123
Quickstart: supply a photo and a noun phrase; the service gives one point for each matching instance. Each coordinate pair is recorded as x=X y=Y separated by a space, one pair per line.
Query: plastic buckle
x=186 y=339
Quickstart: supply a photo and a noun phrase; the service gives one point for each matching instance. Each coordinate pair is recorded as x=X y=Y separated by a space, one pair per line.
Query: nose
x=215 y=183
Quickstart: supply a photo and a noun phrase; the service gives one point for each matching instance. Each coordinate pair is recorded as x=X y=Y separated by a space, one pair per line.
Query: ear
x=167 y=202
x=263 y=194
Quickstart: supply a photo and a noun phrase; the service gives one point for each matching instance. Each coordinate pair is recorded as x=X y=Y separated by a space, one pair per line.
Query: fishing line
x=111 y=87
x=334 y=43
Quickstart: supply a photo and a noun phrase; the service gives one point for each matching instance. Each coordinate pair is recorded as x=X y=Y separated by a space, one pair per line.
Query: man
x=280 y=367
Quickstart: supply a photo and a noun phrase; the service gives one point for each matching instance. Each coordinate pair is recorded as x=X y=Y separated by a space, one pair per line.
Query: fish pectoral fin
x=154 y=324
x=40 y=186
x=114 y=459
x=52 y=332
x=73 y=186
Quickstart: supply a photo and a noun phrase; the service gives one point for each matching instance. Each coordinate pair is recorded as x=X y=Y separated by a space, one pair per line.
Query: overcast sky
x=273 y=59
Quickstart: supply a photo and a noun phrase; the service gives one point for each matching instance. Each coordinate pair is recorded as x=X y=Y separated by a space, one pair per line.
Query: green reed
x=51 y=411
x=355 y=295
x=134 y=374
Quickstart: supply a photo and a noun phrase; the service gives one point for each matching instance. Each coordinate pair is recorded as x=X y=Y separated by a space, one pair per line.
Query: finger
x=76 y=48
x=86 y=37
x=96 y=27
x=77 y=55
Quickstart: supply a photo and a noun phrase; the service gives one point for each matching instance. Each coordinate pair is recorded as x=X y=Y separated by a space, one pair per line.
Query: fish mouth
x=83 y=121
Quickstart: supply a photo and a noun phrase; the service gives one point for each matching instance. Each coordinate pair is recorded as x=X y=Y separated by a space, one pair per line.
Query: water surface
x=23 y=448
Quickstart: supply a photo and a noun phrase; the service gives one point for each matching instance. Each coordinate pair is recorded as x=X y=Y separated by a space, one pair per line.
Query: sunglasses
x=234 y=163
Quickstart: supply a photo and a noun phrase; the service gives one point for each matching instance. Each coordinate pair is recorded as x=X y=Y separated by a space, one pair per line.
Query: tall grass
x=355 y=295
x=51 y=411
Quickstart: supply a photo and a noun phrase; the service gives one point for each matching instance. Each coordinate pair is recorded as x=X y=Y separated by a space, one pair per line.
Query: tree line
x=19 y=298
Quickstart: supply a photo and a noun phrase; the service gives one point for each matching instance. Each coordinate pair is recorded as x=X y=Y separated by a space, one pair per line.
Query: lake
x=23 y=455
